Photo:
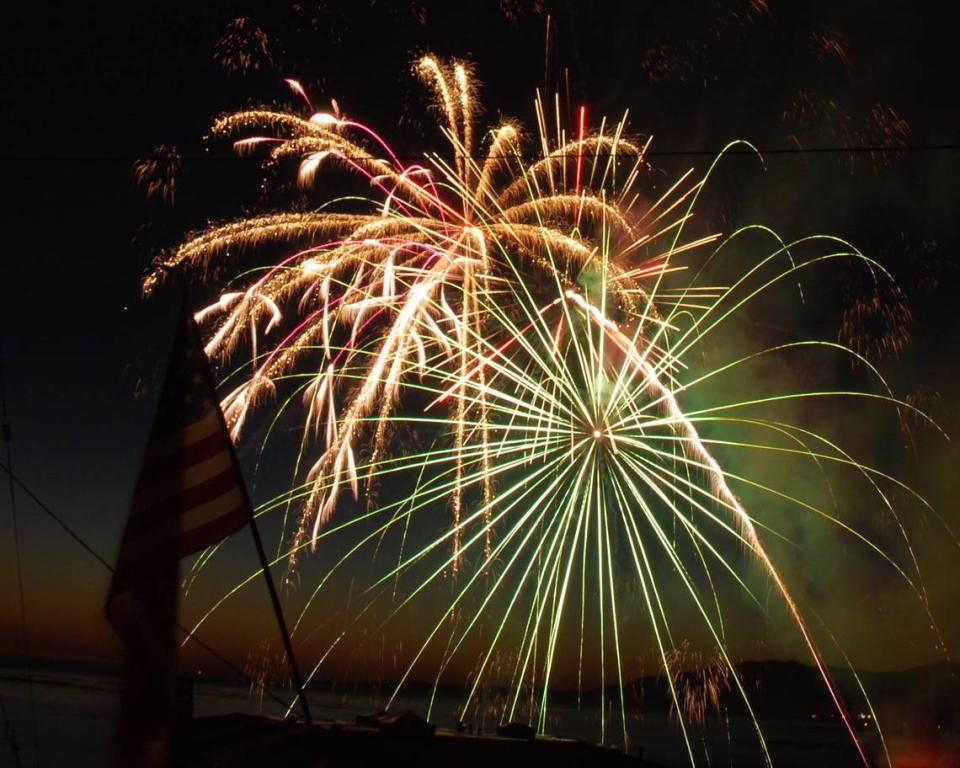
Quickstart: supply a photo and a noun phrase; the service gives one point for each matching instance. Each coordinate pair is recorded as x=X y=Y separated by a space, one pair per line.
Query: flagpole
x=258 y=542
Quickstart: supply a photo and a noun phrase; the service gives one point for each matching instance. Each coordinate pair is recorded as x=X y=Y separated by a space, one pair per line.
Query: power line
x=810 y=150
x=536 y=156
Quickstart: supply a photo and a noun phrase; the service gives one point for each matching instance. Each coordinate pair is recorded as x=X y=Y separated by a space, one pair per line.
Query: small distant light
x=597 y=434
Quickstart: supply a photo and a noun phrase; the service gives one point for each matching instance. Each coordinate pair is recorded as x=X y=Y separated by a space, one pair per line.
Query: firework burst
x=403 y=279
x=543 y=324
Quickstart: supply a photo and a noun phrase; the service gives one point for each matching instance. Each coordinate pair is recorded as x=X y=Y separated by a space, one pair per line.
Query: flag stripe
x=161 y=467
x=169 y=440
x=175 y=486
x=165 y=530
x=201 y=493
x=223 y=505
x=200 y=536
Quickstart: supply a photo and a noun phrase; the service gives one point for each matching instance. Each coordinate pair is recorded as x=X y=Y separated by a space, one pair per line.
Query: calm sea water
x=75 y=715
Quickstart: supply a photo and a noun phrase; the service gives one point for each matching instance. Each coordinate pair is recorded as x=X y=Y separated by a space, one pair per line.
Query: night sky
x=87 y=91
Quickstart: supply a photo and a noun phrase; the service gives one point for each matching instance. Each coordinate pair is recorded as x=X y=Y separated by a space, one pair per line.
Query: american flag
x=190 y=492
x=189 y=495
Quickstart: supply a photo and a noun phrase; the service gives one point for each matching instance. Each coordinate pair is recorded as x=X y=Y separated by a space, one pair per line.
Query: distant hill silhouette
x=926 y=697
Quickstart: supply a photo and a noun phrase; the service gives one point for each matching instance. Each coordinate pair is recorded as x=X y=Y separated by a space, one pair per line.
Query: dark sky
x=86 y=91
